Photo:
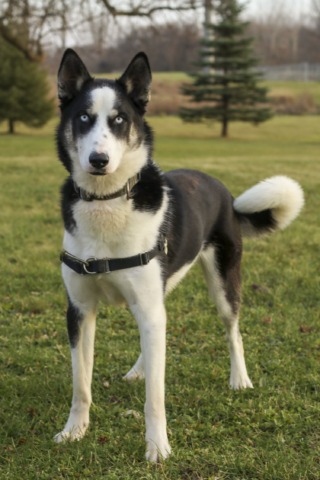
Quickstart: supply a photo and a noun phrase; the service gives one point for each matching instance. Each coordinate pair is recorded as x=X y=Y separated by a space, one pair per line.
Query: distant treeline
x=175 y=47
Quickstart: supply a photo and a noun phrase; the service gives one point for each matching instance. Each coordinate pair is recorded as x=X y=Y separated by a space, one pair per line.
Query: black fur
x=74 y=319
x=200 y=205
x=148 y=193
x=262 y=221
x=68 y=200
x=136 y=81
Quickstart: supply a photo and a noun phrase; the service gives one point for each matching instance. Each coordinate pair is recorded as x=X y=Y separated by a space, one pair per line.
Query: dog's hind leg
x=222 y=271
x=81 y=330
x=136 y=372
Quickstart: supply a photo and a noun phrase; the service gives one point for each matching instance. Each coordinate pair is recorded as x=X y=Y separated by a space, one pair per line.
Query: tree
x=24 y=90
x=226 y=88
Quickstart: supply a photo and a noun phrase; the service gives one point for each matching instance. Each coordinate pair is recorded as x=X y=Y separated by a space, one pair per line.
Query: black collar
x=126 y=190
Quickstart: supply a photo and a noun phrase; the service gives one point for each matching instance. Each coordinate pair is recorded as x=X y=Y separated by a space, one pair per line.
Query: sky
x=295 y=8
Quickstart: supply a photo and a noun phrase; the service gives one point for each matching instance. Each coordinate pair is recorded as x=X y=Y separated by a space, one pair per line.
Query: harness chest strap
x=94 y=266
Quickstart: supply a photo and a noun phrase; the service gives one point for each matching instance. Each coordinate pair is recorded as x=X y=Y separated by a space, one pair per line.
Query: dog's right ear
x=72 y=75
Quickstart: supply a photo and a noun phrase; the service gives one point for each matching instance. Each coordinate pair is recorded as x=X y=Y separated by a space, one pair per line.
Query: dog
x=132 y=233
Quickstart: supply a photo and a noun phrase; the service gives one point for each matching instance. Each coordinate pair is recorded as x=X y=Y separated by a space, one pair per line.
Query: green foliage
x=269 y=433
x=24 y=90
x=226 y=87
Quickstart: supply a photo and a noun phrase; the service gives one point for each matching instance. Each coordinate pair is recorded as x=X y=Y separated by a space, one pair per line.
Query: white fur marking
x=100 y=138
x=124 y=160
x=178 y=276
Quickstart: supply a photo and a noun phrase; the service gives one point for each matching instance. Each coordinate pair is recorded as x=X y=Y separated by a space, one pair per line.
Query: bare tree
x=315 y=13
x=27 y=24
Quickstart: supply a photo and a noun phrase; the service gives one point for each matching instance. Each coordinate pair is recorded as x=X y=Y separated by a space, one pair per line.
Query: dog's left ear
x=72 y=75
x=137 y=81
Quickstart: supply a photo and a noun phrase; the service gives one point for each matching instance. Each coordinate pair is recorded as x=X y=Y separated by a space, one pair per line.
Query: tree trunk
x=224 y=129
x=207 y=17
x=11 y=126
x=225 y=115
x=208 y=33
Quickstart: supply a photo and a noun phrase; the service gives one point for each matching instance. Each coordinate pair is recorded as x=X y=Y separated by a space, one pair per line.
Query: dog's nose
x=98 y=160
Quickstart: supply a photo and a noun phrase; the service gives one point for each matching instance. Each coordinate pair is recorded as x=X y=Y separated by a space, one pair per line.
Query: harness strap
x=126 y=190
x=94 y=266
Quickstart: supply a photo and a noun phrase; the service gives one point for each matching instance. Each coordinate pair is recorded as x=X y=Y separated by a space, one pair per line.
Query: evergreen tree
x=226 y=88
x=24 y=90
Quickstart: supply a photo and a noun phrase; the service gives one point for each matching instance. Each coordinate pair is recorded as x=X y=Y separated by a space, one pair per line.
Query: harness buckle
x=144 y=258
x=87 y=264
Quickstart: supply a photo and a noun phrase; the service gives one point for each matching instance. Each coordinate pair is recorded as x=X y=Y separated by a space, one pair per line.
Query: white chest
x=113 y=229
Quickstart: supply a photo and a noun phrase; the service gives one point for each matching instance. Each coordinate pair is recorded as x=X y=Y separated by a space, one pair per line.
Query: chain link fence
x=303 y=72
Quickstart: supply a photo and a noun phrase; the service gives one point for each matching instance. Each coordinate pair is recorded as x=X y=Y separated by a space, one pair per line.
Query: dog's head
x=102 y=126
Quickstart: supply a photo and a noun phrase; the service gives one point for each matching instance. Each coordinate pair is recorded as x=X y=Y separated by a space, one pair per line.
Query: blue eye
x=84 y=118
x=118 y=120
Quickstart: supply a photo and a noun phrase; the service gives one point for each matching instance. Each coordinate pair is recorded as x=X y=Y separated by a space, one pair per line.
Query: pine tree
x=24 y=90
x=226 y=88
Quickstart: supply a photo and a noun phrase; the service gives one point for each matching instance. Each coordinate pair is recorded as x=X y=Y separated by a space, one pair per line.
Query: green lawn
x=269 y=433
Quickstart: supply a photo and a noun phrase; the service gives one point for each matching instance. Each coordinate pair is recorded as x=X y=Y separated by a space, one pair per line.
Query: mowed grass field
x=269 y=433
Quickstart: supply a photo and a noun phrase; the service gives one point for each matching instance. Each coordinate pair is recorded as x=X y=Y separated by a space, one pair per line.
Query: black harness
x=94 y=266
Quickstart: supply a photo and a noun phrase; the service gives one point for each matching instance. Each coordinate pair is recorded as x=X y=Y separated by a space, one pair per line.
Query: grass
x=269 y=433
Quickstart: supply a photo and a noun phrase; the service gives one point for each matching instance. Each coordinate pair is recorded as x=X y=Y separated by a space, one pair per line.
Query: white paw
x=238 y=382
x=71 y=432
x=134 y=375
x=157 y=451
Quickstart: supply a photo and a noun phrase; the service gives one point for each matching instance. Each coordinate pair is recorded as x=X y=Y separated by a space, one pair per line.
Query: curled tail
x=269 y=206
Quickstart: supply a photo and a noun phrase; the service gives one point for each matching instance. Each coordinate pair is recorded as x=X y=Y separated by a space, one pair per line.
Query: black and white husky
x=133 y=232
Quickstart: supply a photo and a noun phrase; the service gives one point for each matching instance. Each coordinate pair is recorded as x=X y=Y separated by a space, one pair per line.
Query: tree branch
x=146 y=9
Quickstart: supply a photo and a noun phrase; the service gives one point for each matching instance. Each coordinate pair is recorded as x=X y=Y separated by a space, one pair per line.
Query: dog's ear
x=72 y=75
x=137 y=81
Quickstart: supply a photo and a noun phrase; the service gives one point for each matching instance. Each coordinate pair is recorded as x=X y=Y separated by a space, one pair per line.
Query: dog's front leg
x=151 y=320
x=81 y=330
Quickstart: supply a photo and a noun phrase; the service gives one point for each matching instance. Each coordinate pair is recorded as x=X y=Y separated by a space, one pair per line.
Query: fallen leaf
x=267 y=320
x=102 y=440
x=259 y=288
x=305 y=329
